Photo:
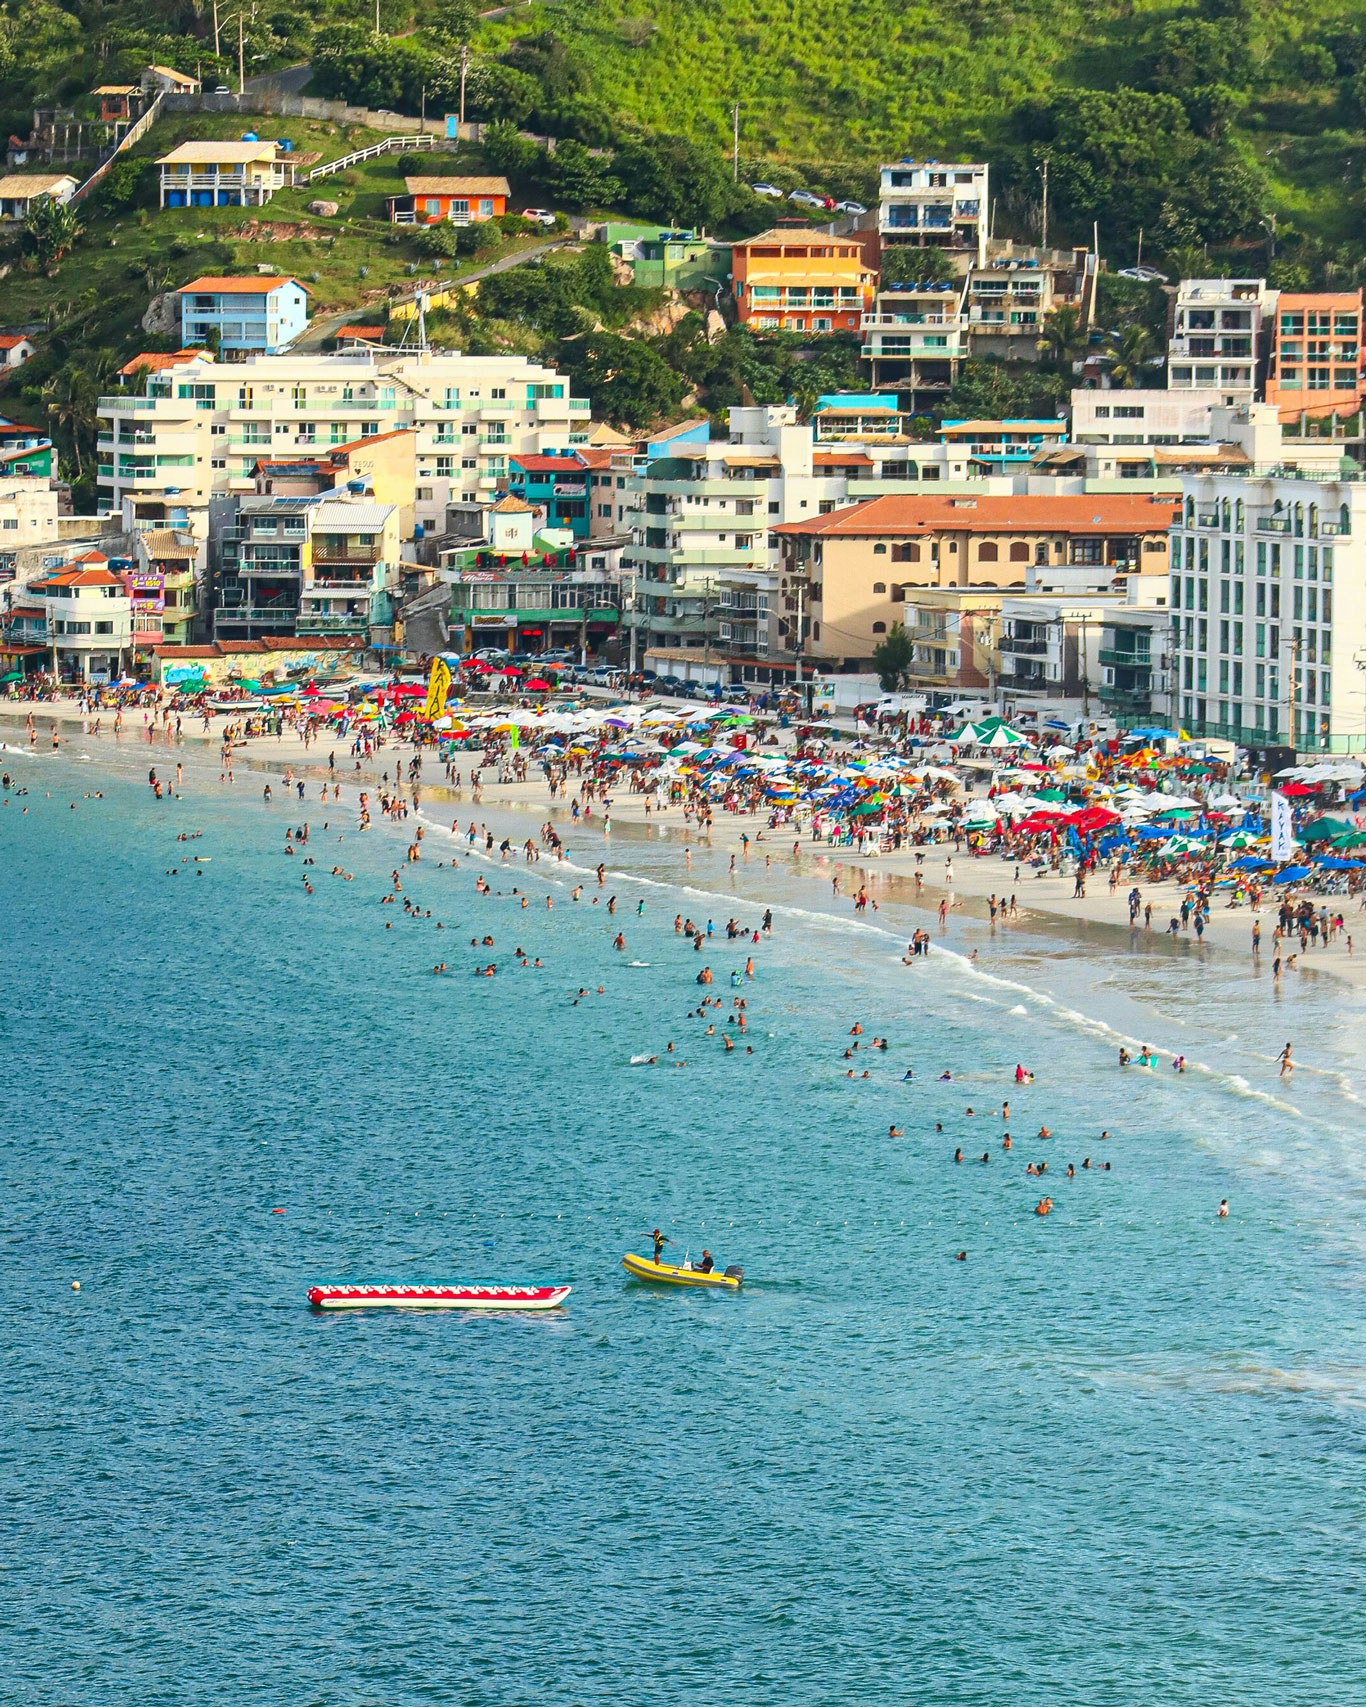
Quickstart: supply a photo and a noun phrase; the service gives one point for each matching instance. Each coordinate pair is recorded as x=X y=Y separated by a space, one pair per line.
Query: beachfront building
x=933 y=205
x=222 y=174
x=243 y=314
x=202 y=427
x=86 y=618
x=1009 y=296
x=1268 y=599
x=1217 y=335
x=164 y=587
x=712 y=598
x=455 y=201
x=1136 y=661
x=21 y=191
x=795 y=279
x=301 y=566
x=28 y=516
x=859 y=565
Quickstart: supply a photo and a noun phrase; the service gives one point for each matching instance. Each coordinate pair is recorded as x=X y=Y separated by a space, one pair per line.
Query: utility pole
x=422 y=122
x=706 y=621
x=799 y=587
x=1043 y=239
x=631 y=614
x=464 y=67
x=377 y=18
x=215 y=29
x=1085 y=675
x=241 y=76
x=735 y=147
x=1139 y=259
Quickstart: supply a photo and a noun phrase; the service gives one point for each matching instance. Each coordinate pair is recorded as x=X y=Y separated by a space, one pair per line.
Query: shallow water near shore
x=1113 y=1456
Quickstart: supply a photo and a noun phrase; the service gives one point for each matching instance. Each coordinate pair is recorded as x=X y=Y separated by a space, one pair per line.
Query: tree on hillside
x=630 y=383
x=1129 y=349
x=1064 y=339
x=892 y=657
x=805 y=397
x=71 y=401
x=669 y=177
x=904 y=264
x=50 y=230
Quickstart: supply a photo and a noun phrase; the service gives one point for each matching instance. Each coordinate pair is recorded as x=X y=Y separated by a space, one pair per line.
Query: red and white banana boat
x=438 y=1295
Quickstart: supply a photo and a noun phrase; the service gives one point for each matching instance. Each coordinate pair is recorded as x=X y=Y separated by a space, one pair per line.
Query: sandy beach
x=1044 y=902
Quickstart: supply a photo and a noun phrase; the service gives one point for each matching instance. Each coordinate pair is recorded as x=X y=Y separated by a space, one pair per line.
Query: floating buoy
x=75 y=1285
x=277 y=1211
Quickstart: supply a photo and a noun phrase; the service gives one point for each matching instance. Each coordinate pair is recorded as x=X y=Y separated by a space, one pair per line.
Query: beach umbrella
x=536 y=685
x=1249 y=862
x=1002 y=737
x=1325 y=830
x=1292 y=874
x=1335 y=862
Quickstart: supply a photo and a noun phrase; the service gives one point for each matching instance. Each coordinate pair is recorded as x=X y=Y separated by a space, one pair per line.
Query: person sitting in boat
x=706 y=1265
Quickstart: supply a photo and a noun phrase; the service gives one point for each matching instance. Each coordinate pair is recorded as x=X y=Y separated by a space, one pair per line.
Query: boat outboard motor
x=735 y=1272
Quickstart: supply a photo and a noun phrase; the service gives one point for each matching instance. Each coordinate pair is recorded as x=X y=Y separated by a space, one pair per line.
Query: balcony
x=368 y=555
x=1126 y=701
x=310 y=622
x=275 y=616
x=120 y=405
x=1023 y=646
x=1125 y=660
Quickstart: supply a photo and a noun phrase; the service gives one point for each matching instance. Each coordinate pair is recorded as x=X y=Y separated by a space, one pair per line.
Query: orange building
x=1315 y=365
x=463 y=201
x=802 y=281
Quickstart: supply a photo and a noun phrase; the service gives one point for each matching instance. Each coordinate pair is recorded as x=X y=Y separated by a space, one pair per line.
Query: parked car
x=222 y=89
x=538 y=215
x=850 y=207
x=1145 y=275
x=767 y=190
x=804 y=198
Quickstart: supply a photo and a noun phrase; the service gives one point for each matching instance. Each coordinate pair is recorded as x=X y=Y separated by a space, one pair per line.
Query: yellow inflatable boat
x=671 y=1274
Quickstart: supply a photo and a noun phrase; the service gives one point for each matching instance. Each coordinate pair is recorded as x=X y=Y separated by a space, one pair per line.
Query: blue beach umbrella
x=1335 y=862
x=1292 y=874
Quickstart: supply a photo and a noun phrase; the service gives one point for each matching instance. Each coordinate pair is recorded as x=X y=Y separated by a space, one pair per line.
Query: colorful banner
x=437 y=689
x=1282 y=838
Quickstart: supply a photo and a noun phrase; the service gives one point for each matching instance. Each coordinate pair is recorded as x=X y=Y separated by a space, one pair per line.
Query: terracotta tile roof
x=11 y=340
x=1021 y=513
x=165 y=542
x=533 y=464
x=335 y=451
x=78 y=578
x=238 y=285
x=840 y=459
x=596 y=456
x=156 y=362
x=373 y=333
x=511 y=506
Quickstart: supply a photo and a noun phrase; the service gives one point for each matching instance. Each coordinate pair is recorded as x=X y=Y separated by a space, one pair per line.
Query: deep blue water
x=1117 y=1455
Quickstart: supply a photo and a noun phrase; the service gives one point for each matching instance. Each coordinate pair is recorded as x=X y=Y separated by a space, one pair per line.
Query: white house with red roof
x=89 y=617
x=16 y=348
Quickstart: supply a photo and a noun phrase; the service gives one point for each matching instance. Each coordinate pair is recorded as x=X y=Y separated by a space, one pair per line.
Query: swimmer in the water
x=896 y=1131
x=1223 y=1209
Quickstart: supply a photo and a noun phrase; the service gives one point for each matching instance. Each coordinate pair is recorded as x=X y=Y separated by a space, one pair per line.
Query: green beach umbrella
x=1326 y=830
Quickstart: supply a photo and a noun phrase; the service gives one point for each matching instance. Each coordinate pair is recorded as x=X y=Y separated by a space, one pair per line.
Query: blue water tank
x=284 y=144
x=419 y=531
x=250 y=136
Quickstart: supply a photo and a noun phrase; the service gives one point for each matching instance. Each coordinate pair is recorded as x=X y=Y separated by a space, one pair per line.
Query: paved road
x=290 y=81
x=326 y=326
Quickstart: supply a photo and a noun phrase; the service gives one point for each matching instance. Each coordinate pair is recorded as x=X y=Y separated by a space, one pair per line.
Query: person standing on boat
x=660 y=1242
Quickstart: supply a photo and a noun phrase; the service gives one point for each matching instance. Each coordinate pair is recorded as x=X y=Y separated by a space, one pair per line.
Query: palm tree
x=1063 y=339
x=71 y=406
x=1128 y=351
x=805 y=397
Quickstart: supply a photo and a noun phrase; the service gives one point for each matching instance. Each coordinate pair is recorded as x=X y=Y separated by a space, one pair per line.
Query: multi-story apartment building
x=709 y=575
x=202 y=427
x=860 y=564
x=1009 y=298
x=1315 y=366
x=998 y=447
x=1268 y=602
x=915 y=339
x=933 y=205
x=324 y=565
x=244 y=314
x=1217 y=335
x=801 y=280
x=86 y=618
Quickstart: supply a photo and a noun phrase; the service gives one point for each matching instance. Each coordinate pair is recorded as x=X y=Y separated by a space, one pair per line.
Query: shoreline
x=1046 y=906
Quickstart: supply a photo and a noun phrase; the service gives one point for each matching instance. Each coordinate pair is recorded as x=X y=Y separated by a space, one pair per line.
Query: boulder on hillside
x=163 y=315
x=716 y=326
x=325 y=210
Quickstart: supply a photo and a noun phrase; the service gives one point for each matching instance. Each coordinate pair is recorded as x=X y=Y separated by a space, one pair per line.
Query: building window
x=879 y=628
x=905 y=554
x=987 y=551
x=879 y=587
x=880 y=549
x=1019 y=552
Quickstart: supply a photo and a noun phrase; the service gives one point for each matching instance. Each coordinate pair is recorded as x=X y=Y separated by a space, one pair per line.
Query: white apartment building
x=88 y=617
x=28 y=516
x=1216 y=340
x=202 y=426
x=934 y=205
x=1268 y=603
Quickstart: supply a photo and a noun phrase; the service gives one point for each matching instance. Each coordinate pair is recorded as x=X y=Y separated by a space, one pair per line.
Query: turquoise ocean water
x=1117 y=1455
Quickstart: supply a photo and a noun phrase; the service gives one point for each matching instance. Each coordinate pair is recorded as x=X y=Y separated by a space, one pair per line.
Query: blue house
x=559 y=484
x=258 y=314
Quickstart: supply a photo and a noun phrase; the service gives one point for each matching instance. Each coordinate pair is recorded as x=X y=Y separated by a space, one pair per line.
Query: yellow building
x=222 y=174
x=801 y=281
